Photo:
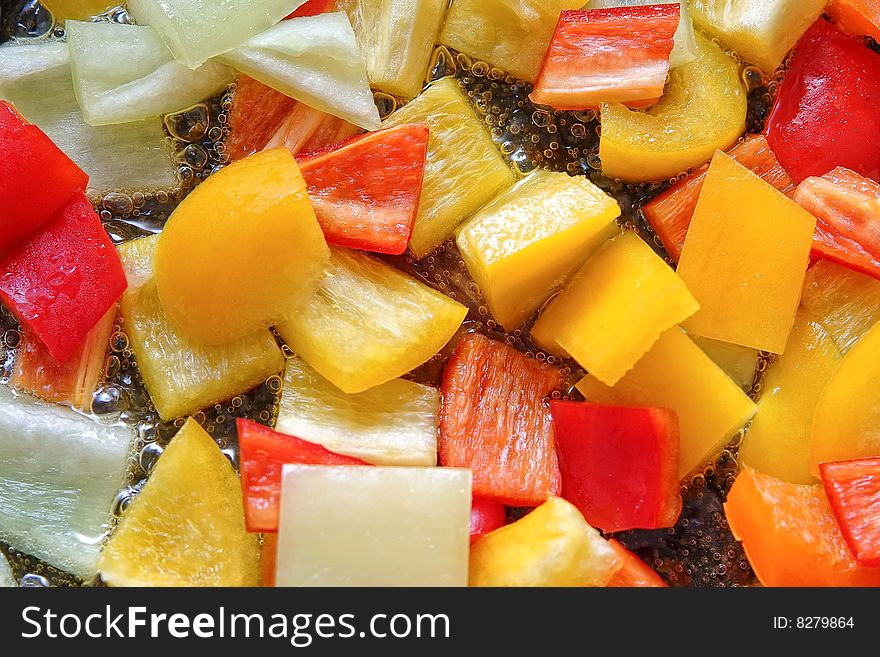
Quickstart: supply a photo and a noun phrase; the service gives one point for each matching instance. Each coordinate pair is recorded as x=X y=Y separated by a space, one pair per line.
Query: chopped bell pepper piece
x=745 y=258
x=847 y=210
x=790 y=535
x=36 y=178
x=306 y=130
x=825 y=110
x=186 y=525
x=73 y=382
x=845 y=302
x=703 y=108
x=856 y=17
x=529 y=240
x=551 y=546
x=264 y=453
x=592 y=319
x=670 y=214
x=60 y=283
x=616 y=55
x=678 y=375
x=847 y=421
x=366 y=191
x=493 y=420
x=619 y=464
x=77 y=10
x=853 y=489
x=511 y=34
x=381 y=526
x=760 y=31
x=739 y=363
x=312 y=8
x=486 y=516
x=778 y=440
x=255 y=115
x=392 y=424
x=247 y=239
x=634 y=573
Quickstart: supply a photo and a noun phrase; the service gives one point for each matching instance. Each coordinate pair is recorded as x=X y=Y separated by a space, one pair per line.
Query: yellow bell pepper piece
x=463 y=168
x=847 y=421
x=369 y=323
x=676 y=374
x=615 y=308
x=530 y=239
x=551 y=546
x=745 y=258
x=77 y=10
x=186 y=527
x=703 y=109
x=739 y=363
x=778 y=440
x=184 y=376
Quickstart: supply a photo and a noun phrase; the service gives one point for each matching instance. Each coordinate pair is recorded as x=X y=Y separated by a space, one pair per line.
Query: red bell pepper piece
x=264 y=453
x=856 y=17
x=853 y=489
x=36 y=178
x=486 y=516
x=617 y=55
x=307 y=130
x=635 y=572
x=60 y=283
x=493 y=421
x=366 y=191
x=825 y=114
x=312 y=8
x=847 y=210
x=670 y=213
x=619 y=464
x=256 y=113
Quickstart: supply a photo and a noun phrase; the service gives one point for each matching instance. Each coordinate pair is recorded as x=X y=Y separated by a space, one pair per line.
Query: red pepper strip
x=36 y=178
x=493 y=421
x=825 y=114
x=616 y=55
x=619 y=464
x=256 y=113
x=853 y=489
x=856 y=17
x=486 y=516
x=847 y=210
x=366 y=191
x=635 y=572
x=60 y=283
x=313 y=8
x=264 y=453
x=670 y=213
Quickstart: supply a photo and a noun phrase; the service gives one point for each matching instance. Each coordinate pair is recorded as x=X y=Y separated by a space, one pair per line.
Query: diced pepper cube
x=551 y=546
x=493 y=420
x=181 y=375
x=392 y=424
x=186 y=526
x=847 y=420
x=397 y=39
x=592 y=320
x=264 y=453
x=744 y=258
x=845 y=302
x=676 y=374
x=460 y=151
x=615 y=55
x=63 y=280
x=853 y=489
x=619 y=464
x=370 y=323
x=511 y=34
x=670 y=213
x=760 y=31
x=380 y=526
x=530 y=239
x=790 y=535
x=778 y=440
x=36 y=178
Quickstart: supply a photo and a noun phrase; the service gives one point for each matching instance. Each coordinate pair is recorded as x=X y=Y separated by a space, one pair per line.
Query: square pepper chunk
x=745 y=258
x=531 y=238
x=616 y=307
